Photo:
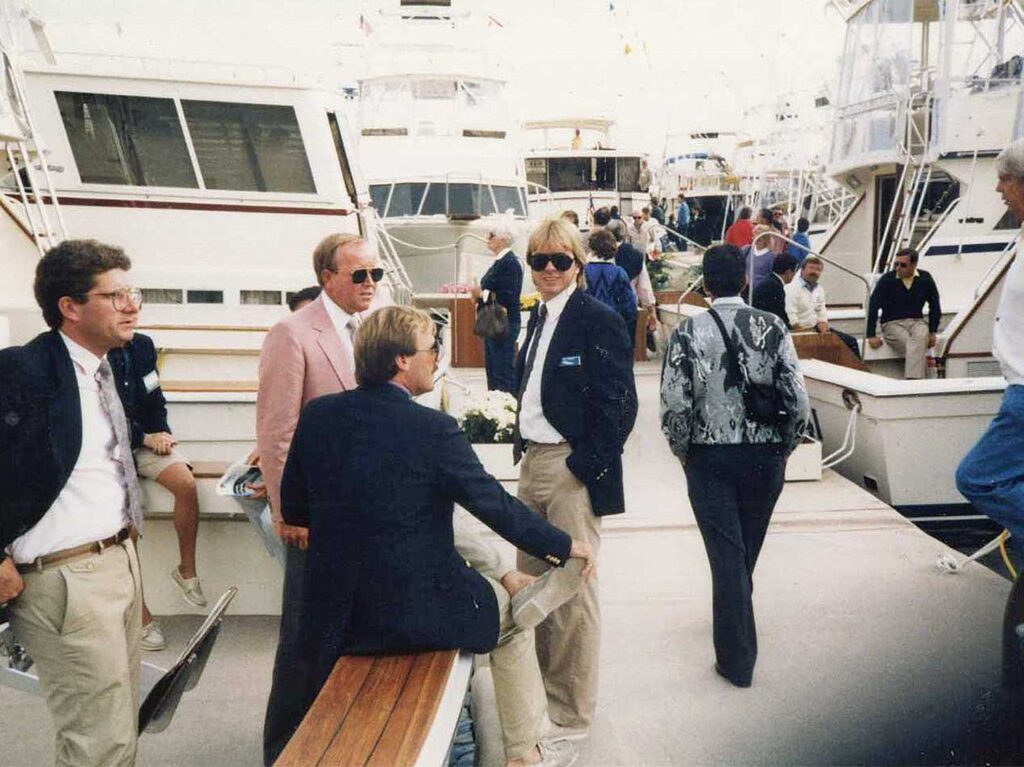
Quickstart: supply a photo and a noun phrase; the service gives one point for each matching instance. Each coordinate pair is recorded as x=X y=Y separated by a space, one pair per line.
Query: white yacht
x=573 y=164
x=930 y=93
x=699 y=164
x=436 y=142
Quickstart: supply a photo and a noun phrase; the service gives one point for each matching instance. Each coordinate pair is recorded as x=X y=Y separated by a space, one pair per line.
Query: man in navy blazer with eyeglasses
x=577 y=406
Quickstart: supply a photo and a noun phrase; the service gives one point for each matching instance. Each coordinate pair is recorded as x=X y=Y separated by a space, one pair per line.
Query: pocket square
x=570 y=362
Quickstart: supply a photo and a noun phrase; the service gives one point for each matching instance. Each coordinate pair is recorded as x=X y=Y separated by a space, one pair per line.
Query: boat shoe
x=191 y=589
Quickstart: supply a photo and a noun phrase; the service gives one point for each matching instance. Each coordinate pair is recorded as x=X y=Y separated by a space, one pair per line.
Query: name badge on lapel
x=570 y=362
x=151 y=381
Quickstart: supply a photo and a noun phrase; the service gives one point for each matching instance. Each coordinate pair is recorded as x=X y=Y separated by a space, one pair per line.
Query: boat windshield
x=875 y=78
x=464 y=199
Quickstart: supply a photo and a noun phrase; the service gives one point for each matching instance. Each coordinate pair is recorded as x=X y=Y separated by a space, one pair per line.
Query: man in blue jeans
x=991 y=476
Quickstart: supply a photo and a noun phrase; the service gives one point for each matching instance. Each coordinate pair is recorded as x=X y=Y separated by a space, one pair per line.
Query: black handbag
x=763 y=402
x=491 y=320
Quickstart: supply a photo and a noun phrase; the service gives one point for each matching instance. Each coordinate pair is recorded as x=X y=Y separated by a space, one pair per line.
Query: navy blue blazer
x=588 y=394
x=505 y=279
x=770 y=296
x=40 y=431
x=375 y=477
x=134 y=368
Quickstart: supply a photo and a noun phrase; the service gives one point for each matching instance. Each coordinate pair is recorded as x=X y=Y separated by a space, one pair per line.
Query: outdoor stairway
x=209 y=377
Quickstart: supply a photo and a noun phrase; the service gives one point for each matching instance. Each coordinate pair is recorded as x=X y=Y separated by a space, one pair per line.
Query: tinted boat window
x=405 y=200
x=379 y=195
x=508 y=197
x=131 y=140
x=629 y=174
x=436 y=200
x=248 y=147
x=464 y=199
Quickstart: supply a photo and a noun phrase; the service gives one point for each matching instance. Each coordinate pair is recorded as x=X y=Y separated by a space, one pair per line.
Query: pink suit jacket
x=302 y=358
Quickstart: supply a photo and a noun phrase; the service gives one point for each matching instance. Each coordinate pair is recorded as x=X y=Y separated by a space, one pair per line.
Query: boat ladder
x=31 y=190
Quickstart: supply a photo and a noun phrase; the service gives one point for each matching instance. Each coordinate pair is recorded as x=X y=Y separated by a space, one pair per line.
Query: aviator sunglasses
x=539 y=261
x=359 y=275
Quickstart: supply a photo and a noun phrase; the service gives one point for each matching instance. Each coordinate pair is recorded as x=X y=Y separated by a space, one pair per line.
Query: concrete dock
x=868 y=654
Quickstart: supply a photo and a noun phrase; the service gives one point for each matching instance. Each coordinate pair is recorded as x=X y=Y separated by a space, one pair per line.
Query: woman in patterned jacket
x=734 y=466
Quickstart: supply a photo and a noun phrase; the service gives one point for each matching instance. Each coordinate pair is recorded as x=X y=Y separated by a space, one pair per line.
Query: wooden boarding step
x=372 y=712
x=826 y=347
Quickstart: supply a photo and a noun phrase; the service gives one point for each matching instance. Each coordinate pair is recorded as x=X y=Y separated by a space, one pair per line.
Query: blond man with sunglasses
x=577 y=406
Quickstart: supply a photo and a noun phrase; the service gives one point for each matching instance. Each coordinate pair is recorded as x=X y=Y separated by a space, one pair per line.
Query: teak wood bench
x=381 y=711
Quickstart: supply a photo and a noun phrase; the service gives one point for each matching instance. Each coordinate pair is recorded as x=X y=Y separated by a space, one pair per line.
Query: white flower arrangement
x=491 y=418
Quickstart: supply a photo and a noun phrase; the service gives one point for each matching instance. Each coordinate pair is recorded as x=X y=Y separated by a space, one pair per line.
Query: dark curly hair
x=70 y=269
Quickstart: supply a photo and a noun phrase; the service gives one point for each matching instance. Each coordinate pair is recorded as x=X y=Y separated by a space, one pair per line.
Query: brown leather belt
x=75 y=552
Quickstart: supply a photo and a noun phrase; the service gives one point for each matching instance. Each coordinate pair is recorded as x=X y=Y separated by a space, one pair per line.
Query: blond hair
x=384 y=335
x=558 y=233
x=325 y=254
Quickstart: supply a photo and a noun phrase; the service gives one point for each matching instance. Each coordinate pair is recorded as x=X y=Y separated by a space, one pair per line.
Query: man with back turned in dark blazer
x=69 y=500
x=577 y=406
x=374 y=476
x=770 y=295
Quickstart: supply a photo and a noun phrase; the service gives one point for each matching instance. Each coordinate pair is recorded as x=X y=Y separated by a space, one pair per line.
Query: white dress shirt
x=1008 y=332
x=805 y=308
x=532 y=423
x=93 y=503
x=340 y=319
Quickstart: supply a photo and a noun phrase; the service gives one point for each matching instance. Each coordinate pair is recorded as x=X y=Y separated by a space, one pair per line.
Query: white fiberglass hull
x=910 y=435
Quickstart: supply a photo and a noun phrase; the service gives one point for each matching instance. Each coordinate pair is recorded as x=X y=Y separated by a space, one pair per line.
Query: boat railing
x=856 y=275
x=398 y=277
x=996 y=264
x=25 y=155
x=937 y=223
x=541 y=189
x=676 y=233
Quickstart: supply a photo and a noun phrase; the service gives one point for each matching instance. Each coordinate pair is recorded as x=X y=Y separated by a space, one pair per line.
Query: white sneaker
x=152 y=637
x=557 y=753
x=191 y=589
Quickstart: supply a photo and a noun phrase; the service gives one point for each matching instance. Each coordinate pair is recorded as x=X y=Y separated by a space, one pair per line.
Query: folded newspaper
x=238 y=478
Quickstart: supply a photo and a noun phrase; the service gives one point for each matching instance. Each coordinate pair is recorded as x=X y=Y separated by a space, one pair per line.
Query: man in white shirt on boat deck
x=991 y=476
x=805 y=303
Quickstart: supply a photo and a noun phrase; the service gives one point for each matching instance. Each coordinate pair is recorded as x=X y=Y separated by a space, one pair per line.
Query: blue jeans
x=991 y=475
x=499 y=358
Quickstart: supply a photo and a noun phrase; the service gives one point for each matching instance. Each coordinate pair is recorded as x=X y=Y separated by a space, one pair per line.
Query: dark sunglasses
x=902 y=264
x=435 y=347
x=359 y=275
x=539 y=261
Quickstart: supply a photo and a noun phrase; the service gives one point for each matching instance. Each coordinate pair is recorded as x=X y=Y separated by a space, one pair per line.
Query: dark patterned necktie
x=531 y=356
x=123 y=455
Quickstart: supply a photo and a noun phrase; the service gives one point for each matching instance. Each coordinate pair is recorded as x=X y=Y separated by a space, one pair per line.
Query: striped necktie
x=123 y=454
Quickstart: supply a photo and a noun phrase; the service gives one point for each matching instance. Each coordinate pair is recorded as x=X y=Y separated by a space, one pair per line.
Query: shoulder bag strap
x=730 y=348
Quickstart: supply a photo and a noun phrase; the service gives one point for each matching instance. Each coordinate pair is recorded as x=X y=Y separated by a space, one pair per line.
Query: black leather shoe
x=721 y=672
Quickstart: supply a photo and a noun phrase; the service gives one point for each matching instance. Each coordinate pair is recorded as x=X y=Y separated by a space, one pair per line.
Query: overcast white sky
x=695 y=64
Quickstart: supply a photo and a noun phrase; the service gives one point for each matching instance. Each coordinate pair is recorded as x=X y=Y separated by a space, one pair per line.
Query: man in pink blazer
x=306 y=355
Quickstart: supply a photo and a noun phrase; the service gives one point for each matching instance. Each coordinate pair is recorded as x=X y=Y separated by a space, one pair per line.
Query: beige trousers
x=81 y=622
x=569 y=640
x=518 y=687
x=909 y=338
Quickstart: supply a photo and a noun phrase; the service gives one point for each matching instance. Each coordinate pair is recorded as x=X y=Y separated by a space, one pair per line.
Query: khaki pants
x=910 y=338
x=518 y=687
x=81 y=622
x=569 y=640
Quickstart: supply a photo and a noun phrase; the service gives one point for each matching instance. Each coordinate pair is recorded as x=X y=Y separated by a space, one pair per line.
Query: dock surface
x=868 y=654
